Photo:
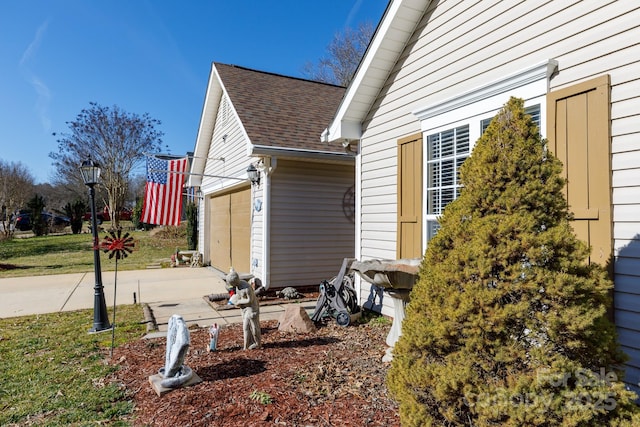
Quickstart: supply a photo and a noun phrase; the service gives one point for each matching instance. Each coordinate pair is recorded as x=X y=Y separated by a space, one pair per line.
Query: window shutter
x=579 y=135
x=409 y=229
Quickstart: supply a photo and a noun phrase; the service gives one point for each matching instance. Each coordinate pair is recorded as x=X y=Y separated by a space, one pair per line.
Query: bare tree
x=343 y=56
x=16 y=187
x=113 y=138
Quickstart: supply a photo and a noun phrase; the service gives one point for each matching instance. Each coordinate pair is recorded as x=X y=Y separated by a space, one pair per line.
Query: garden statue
x=245 y=298
x=214 y=330
x=175 y=373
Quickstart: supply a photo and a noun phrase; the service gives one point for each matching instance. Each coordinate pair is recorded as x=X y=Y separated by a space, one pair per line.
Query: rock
x=296 y=319
x=289 y=293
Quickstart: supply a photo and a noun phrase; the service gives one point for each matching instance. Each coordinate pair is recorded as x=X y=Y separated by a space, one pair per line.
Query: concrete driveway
x=167 y=291
x=168 y=287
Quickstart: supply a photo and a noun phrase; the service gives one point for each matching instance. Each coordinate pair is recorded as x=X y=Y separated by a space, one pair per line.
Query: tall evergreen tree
x=507 y=324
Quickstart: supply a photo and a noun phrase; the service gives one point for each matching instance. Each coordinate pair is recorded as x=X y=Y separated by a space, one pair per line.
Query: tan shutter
x=578 y=120
x=410 y=197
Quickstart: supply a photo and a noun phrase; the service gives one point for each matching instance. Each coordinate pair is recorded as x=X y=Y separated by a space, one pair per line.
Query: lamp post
x=90 y=175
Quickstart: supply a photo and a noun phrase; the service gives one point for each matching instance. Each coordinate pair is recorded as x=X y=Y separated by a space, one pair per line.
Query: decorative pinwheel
x=117 y=245
x=120 y=247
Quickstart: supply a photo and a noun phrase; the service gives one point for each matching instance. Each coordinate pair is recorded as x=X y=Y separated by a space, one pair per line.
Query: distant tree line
x=115 y=139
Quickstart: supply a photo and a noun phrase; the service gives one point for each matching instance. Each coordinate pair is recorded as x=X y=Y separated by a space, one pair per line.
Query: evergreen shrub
x=507 y=325
x=192 y=226
x=137 y=216
x=75 y=211
x=36 y=206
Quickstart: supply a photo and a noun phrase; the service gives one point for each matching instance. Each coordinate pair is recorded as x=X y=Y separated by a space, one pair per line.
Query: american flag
x=163 y=191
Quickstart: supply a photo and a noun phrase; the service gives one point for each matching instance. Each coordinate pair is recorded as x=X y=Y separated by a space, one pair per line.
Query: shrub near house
x=507 y=324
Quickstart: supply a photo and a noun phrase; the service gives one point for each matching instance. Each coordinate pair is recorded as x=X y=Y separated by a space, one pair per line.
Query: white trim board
x=533 y=77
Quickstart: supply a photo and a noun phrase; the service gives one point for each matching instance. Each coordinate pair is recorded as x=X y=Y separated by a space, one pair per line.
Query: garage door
x=230 y=231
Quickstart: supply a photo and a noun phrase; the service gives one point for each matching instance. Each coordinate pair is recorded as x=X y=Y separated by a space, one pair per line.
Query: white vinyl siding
x=310 y=232
x=227 y=157
x=459 y=46
x=625 y=162
x=258 y=209
x=225 y=168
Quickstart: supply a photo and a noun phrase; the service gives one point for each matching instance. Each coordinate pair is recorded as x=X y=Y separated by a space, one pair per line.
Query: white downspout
x=269 y=166
x=358 y=209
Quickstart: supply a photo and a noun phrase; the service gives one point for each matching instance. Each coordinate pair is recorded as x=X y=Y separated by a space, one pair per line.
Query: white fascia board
x=264 y=150
x=342 y=128
x=539 y=73
x=205 y=129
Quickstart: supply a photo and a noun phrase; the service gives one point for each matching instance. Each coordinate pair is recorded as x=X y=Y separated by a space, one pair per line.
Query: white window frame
x=449 y=182
x=470 y=108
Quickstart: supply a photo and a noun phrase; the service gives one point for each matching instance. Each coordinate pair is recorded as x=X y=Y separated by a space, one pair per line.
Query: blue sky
x=146 y=56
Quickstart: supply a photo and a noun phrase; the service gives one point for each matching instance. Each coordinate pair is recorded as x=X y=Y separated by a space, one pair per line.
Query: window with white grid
x=446 y=151
x=453 y=125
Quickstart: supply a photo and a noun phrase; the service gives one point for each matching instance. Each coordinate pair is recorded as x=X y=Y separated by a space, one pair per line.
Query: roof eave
x=340 y=131
x=298 y=153
x=393 y=33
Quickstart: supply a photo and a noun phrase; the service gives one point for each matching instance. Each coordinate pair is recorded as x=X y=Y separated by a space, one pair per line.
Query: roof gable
x=392 y=35
x=279 y=111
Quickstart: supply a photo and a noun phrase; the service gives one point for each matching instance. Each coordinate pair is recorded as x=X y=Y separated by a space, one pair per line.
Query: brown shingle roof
x=280 y=111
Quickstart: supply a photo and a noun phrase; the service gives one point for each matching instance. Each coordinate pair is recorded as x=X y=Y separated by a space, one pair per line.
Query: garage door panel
x=220 y=238
x=241 y=230
x=230 y=231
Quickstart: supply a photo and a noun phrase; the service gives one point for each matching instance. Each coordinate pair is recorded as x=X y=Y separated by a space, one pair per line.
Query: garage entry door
x=230 y=232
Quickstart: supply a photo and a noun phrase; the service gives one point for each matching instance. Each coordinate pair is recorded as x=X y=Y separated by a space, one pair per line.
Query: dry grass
x=72 y=253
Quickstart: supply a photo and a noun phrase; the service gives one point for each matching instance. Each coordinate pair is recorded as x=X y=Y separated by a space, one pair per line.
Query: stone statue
x=214 y=330
x=175 y=373
x=245 y=298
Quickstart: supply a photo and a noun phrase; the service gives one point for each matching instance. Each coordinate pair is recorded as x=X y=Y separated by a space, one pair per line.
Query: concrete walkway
x=167 y=291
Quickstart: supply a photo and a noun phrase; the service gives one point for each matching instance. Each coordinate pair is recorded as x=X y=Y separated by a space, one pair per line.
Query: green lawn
x=54 y=372
x=72 y=253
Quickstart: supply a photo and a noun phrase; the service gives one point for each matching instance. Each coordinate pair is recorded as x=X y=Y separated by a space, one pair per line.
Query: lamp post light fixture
x=90 y=175
x=253 y=174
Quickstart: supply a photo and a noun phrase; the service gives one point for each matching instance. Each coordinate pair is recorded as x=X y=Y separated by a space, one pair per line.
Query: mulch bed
x=331 y=377
x=271 y=297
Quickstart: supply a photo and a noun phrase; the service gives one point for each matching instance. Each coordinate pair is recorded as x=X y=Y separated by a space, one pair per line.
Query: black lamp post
x=90 y=175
